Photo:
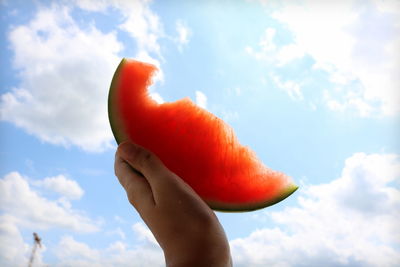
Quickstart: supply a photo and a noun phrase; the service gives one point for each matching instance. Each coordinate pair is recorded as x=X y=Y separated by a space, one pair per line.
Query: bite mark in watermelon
x=193 y=143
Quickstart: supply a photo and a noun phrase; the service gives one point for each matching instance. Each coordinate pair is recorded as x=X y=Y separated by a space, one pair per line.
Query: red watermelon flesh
x=193 y=143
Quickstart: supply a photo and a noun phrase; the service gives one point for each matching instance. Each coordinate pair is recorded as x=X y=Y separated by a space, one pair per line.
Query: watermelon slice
x=193 y=143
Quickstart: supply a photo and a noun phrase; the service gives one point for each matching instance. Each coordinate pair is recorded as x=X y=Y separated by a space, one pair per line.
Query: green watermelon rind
x=223 y=207
x=116 y=125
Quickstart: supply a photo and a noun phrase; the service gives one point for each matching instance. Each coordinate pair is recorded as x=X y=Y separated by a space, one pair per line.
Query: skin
x=185 y=227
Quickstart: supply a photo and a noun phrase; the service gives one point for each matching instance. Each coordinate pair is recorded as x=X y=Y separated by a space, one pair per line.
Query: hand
x=187 y=230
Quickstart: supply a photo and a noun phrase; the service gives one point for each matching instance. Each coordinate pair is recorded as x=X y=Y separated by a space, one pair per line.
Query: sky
x=313 y=87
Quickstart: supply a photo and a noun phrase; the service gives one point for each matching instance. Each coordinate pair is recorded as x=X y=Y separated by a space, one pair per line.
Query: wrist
x=201 y=262
x=211 y=257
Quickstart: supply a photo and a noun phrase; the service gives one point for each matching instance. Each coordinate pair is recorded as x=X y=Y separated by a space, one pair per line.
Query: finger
x=165 y=185
x=143 y=161
x=136 y=186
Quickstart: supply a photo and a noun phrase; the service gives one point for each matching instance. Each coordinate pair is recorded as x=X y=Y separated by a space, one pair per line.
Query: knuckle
x=119 y=166
x=132 y=199
x=116 y=164
x=117 y=169
x=130 y=193
x=116 y=172
x=144 y=158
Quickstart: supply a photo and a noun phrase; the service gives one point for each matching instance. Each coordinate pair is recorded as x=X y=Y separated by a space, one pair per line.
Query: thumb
x=142 y=160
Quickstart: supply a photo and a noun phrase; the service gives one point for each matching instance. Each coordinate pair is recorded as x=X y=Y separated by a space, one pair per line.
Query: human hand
x=187 y=230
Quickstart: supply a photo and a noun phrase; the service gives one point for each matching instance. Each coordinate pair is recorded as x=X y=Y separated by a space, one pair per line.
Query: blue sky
x=312 y=87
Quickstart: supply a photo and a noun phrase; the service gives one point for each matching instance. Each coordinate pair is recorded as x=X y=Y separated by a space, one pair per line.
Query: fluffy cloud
x=145 y=28
x=143 y=233
x=65 y=72
x=31 y=210
x=140 y=22
x=271 y=52
x=66 y=68
x=24 y=208
x=157 y=97
x=70 y=252
x=290 y=87
x=355 y=42
x=143 y=24
x=117 y=232
x=280 y=56
x=351 y=221
x=201 y=99
x=62 y=185
x=184 y=34
x=92 y=5
x=13 y=250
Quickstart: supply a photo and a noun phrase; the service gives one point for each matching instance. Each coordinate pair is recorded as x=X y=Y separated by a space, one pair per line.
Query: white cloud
x=119 y=219
x=143 y=233
x=157 y=97
x=92 y=5
x=201 y=99
x=351 y=221
x=388 y=6
x=271 y=52
x=118 y=232
x=25 y=209
x=144 y=26
x=70 y=249
x=353 y=41
x=66 y=69
x=140 y=22
x=184 y=34
x=290 y=87
x=65 y=74
x=31 y=210
x=62 y=185
x=349 y=100
x=13 y=250
x=229 y=116
x=70 y=252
